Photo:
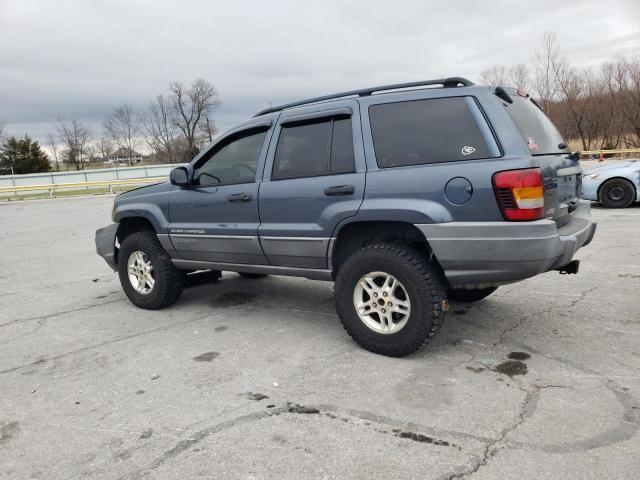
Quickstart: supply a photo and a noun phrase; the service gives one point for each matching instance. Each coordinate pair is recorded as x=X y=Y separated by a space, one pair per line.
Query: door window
x=232 y=162
x=312 y=149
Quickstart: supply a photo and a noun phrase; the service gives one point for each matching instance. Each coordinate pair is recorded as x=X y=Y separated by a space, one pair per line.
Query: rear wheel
x=146 y=273
x=470 y=295
x=389 y=299
x=617 y=193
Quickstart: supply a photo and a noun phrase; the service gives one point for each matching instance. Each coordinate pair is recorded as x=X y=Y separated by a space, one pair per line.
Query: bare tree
x=207 y=130
x=104 y=148
x=124 y=126
x=51 y=140
x=627 y=84
x=545 y=79
x=190 y=109
x=519 y=76
x=160 y=130
x=75 y=136
x=494 y=75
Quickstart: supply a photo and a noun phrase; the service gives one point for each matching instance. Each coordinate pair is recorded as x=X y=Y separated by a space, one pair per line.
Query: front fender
x=151 y=212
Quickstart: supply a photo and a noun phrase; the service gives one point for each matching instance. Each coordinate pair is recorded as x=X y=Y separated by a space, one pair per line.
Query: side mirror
x=180 y=176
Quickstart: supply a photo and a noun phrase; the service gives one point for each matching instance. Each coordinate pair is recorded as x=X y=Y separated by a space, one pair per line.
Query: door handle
x=340 y=190
x=239 y=197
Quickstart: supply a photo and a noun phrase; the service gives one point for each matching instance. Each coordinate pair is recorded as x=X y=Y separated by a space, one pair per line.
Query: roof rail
x=445 y=82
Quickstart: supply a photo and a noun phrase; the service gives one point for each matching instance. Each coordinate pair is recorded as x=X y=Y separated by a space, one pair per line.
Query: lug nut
x=384 y=294
x=390 y=304
x=375 y=294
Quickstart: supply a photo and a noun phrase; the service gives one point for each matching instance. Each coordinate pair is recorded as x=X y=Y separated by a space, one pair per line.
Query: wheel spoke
x=386 y=322
x=400 y=306
x=368 y=285
x=363 y=307
x=389 y=283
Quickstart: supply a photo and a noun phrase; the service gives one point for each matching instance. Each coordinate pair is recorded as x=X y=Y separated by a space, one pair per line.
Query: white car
x=614 y=186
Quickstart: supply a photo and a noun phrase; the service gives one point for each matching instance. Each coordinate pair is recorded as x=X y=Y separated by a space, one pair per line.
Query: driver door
x=215 y=219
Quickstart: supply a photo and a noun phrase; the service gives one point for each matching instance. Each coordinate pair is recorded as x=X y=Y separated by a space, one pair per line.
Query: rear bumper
x=106 y=244
x=481 y=254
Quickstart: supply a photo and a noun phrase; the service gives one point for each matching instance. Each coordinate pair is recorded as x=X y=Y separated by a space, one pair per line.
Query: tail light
x=520 y=194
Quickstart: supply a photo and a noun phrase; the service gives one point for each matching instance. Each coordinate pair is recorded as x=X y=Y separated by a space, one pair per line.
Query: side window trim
x=490 y=137
x=317 y=116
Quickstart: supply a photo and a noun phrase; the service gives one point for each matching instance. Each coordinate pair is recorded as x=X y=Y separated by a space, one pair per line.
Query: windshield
x=541 y=135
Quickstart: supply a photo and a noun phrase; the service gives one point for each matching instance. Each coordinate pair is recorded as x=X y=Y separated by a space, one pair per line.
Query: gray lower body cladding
x=106 y=244
x=480 y=254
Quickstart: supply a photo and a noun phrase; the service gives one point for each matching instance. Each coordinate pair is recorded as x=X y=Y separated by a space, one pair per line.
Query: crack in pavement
x=323 y=411
x=57 y=314
x=582 y=296
x=102 y=344
x=527 y=409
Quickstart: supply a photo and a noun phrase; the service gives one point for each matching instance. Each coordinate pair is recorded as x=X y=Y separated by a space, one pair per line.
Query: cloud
x=78 y=58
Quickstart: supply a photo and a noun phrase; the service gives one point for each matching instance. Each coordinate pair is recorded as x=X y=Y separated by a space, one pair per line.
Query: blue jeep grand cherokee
x=404 y=195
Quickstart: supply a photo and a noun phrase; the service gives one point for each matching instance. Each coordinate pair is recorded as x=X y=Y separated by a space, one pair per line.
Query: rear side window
x=429 y=131
x=541 y=135
x=312 y=149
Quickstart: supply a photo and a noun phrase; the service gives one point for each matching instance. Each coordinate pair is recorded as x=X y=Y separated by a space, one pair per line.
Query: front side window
x=428 y=131
x=234 y=161
x=312 y=149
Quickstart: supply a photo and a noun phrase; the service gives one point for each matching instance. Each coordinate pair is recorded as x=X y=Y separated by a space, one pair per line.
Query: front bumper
x=482 y=254
x=590 y=189
x=106 y=244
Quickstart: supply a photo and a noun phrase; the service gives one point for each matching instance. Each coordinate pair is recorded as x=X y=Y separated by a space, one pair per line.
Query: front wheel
x=146 y=273
x=390 y=299
x=470 y=295
x=617 y=193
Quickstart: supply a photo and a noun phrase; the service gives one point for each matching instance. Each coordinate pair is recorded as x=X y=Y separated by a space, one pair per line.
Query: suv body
x=300 y=189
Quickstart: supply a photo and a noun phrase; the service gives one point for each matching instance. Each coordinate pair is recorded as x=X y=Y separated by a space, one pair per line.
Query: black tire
x=470 y=295
x=169 y=281
x=424 y=287
x=617 y=193
x=252 y=275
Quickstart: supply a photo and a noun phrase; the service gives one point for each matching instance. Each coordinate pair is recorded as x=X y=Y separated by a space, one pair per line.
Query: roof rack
x=445 y=82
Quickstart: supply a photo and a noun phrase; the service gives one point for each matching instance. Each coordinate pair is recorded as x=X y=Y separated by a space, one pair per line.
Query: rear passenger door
x=314 y=178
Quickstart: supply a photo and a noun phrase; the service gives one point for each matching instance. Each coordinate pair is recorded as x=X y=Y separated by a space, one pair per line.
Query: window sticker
x=467 y=150
x=532 y=144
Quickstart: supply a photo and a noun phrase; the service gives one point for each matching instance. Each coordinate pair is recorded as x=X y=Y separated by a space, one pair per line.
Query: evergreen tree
x=24 y=155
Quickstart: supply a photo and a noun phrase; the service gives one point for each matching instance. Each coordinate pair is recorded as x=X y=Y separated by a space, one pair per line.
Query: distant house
x=121 y=155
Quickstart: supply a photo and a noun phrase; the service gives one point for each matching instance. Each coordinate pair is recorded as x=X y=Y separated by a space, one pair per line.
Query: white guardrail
x=82 y=179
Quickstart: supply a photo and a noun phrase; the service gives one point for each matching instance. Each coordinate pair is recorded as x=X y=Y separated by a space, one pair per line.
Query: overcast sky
x=80 y=58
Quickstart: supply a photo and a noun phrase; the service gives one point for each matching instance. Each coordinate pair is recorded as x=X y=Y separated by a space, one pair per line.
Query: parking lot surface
x=257 y=379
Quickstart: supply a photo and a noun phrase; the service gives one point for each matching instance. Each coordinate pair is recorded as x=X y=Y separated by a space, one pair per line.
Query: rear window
x=541 y=135
x=430 y=131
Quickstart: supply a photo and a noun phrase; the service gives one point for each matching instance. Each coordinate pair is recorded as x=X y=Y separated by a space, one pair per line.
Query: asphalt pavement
x=257 y=378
